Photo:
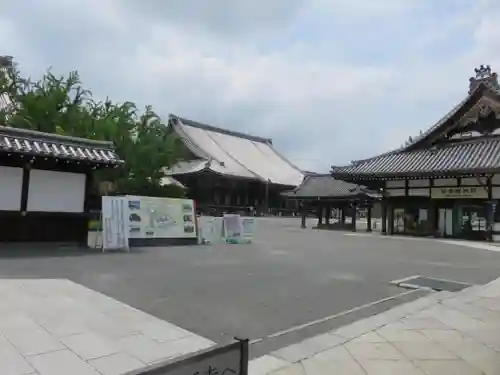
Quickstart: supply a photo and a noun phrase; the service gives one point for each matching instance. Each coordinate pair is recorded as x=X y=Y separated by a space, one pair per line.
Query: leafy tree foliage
x=60 y=104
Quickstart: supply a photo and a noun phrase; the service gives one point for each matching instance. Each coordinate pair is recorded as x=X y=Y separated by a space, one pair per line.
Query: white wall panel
x=395 y=184
x=11 y=180
x=52 y=191
x=419 y=192
x=395 y=192
x=446 y=182
x=473 y=181
x=418 y=183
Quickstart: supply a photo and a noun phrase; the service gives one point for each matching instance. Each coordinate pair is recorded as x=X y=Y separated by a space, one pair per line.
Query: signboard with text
x=114 y=223
x=231 y=359
x=464 y=192
x=153 y=217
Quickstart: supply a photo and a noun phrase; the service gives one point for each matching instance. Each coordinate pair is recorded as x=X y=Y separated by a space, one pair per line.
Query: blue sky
x=329 y=80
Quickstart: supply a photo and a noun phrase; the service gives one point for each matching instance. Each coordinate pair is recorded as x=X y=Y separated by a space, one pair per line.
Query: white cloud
x=295 y=71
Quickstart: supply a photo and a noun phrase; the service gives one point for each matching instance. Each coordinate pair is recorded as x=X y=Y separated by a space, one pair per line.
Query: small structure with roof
x=446 y=182
x=323 y=193
x=230 y=171
x=46 y=185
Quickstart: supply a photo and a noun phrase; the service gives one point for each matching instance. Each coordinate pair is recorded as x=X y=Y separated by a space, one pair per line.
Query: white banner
x=114 y=223
x=248 y=228
x=232 y=228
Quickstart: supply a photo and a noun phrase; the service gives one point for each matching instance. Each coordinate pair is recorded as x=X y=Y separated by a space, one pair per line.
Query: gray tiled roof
x=461 y=157
x=325 y=186
x=232 y=154
x=22 y=141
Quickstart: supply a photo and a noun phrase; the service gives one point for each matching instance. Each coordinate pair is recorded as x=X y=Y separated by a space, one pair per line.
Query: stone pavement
x=58 y=327
x=443 y=333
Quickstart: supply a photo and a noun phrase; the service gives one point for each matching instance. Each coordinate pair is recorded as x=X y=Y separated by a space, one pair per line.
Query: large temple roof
x=232 y=153
x=437 y=150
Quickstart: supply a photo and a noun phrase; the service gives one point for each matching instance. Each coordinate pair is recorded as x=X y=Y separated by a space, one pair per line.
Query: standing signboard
x=231 y=359
x=232 y=228
x=114 y=223
x=248 y=228
x=154 y=217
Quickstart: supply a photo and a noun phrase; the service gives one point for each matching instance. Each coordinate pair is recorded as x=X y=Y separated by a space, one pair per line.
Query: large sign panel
x=152 y=217
x=463 y=192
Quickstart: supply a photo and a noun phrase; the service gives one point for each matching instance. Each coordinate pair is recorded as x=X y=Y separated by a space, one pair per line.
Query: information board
x=231 y=359
x=153 y=217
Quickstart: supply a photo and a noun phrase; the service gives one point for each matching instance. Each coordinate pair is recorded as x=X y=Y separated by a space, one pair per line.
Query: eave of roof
x=325 y=186
x=33 y=143
x=480 y=155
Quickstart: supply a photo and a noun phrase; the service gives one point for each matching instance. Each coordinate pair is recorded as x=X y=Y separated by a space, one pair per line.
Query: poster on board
x=114 y=223
x=153 y=217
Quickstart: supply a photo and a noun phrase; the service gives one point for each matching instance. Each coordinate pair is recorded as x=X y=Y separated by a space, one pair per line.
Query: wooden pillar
x=390 y=219
x=432 y=218
x=303 y=215
x=369 y=218
x=353 y=216
x=25 y=188
x=384 y=216
x=342 y=215
x=328 y=214
x=320 y=214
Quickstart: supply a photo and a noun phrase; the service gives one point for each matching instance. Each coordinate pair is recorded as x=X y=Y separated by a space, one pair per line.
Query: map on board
x=152 y=217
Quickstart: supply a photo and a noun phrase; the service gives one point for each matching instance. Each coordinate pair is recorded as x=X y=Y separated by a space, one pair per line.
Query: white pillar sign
x=115 y=228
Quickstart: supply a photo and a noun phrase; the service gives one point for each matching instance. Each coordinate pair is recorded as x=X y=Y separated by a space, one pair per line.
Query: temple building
x=46 y=185
x=332 y=200
x=446 y=182
x=228 y=171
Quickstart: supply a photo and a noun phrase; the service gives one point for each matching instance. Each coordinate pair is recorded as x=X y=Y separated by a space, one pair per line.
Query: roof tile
x=457 y=157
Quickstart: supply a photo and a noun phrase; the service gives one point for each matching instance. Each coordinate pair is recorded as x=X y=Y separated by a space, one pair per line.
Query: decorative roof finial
x=485 y=76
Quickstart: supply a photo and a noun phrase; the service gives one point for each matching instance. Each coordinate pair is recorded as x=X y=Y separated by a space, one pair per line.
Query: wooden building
x=334 y=199
x=46 y=183
x=228 y=171
x=445 y=183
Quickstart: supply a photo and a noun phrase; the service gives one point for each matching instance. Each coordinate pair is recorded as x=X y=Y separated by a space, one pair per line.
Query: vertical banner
x=248 y=229
x=115 y=228
x=232 y=228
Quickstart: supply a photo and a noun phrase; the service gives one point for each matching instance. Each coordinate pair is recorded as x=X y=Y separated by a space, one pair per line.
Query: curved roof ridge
x=216 y=129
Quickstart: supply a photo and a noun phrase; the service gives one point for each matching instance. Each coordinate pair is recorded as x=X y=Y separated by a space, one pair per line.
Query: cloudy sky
x=328 y=80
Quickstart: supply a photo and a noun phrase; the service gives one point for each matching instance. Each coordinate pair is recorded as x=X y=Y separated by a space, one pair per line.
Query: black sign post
x=231 y=359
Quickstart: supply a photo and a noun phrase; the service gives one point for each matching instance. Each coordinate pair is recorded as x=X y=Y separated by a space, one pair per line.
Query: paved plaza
x=289 y=286
x=443 y=333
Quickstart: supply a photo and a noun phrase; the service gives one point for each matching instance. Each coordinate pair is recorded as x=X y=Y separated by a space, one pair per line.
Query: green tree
x=60 y=104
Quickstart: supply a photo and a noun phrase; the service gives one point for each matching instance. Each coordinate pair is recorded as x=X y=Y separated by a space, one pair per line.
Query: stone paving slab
x=55 y=326
x=443 y=333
